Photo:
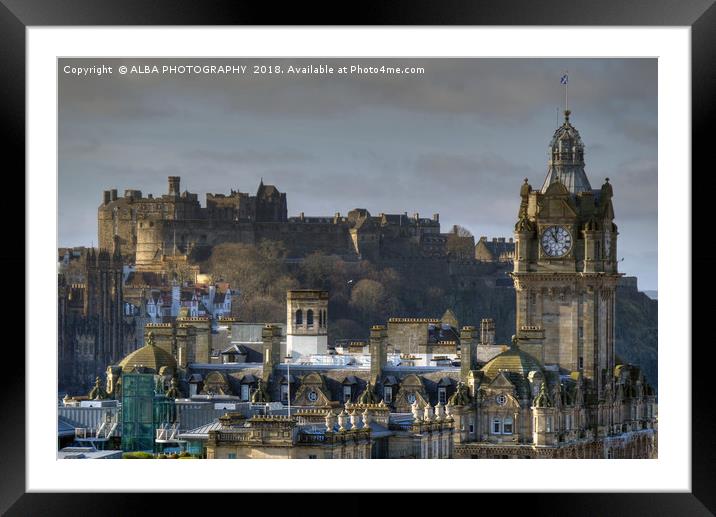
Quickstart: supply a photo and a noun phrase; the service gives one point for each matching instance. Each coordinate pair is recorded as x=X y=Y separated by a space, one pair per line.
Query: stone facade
x=307 y=322
x=156 y=232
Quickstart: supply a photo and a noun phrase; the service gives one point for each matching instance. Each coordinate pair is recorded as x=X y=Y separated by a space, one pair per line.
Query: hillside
x=637 y=321
x=364 y=294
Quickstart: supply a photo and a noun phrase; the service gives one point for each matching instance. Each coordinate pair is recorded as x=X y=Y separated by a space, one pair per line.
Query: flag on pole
x=564 y=79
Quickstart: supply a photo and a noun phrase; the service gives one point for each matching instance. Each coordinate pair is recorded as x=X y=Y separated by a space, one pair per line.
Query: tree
x=367 y=298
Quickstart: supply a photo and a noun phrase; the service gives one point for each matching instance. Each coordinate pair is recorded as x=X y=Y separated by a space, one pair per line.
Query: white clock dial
x=556 y=241
x=607 y=244
x=312 y=396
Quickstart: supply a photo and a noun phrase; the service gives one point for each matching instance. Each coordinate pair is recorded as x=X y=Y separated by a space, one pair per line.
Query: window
x=581 y=332
x=231 y=456
x=299 y=317
x=472 y=428
x=320 y=318
x=309 y=318
x=346 y=393
x=436 y=451
x=580 y=363
x=312 y=457
x=549 y=424
x=442 y=395
x=496 y=426
x=388 y=394
x=568 y=422
x=244 y=392
x=284 y=393
x=507 y=425
x=597 y=249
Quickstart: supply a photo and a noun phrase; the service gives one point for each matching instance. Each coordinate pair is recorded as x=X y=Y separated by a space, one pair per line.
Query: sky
x=457 y=140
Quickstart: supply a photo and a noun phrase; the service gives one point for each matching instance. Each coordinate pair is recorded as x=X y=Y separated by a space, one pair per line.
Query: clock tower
x=565 y=270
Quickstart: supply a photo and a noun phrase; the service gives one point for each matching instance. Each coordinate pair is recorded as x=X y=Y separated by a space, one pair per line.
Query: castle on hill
x=154 y=231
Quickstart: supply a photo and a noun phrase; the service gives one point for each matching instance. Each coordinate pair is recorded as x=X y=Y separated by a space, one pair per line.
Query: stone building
x=557 y=390
x=307 y=322
x=565 y=268
x=168 y=232
x=93 y=329
x=496 y=250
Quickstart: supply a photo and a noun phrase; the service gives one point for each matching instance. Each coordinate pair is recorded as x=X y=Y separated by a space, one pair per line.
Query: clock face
x=501 y=400
x=556 y=241
x=607 y=244
x=312 y=396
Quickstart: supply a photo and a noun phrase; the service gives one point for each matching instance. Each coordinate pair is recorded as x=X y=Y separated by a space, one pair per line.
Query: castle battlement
x=154 y=232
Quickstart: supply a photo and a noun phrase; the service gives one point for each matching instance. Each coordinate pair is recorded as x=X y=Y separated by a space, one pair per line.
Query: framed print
x=347 y=244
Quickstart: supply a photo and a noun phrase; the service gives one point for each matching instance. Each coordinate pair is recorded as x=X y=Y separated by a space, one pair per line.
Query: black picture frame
x=700 y=15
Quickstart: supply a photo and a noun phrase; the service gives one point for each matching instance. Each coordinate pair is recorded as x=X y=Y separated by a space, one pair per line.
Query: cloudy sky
x=457 y=140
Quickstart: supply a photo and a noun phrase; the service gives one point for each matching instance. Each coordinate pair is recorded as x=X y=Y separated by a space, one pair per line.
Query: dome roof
x=566 y=159
x=149 y=356
x=513 y=360
x=566 y=136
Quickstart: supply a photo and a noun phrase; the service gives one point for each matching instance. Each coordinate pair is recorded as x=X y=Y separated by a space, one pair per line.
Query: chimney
x=114 y=194
x=436 y=218
x=378 y=352
x=271 y=337
x=487 y=331
x=106 y=196
x=468 y=351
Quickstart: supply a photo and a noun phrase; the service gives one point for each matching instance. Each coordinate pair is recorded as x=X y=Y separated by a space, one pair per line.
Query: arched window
x=507 y=425
x=309 y=318
x=299 y=317
x=320 y=319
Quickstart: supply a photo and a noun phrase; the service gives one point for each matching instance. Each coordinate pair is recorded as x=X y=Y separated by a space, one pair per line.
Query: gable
x=556 y=208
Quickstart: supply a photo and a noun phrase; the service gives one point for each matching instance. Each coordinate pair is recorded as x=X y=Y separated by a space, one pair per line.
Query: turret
x=566 y=159
x=544 y=418
x=174 y=186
